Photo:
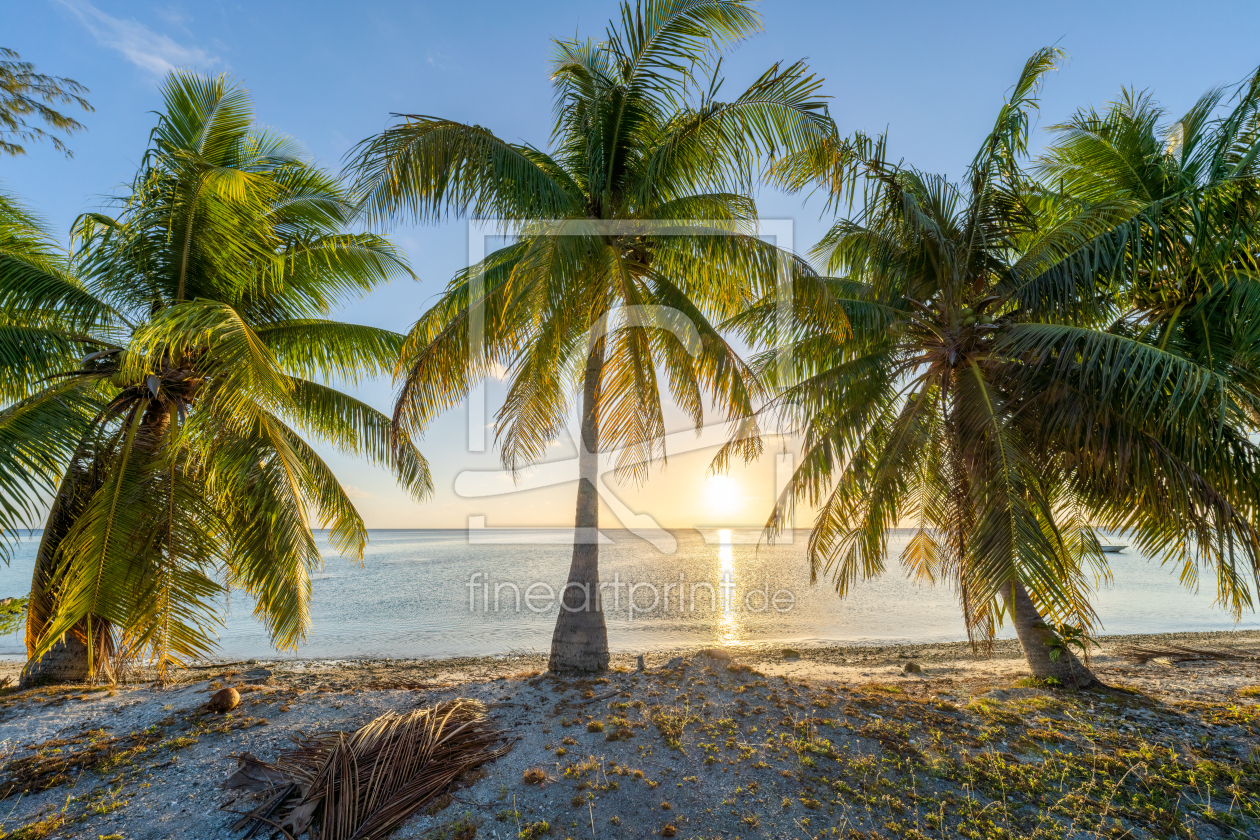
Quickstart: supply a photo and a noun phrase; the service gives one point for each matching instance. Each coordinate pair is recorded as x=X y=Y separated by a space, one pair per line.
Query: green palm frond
x=278 y=487
x=659 y=38
x=30 y=355
x=315 y=347
x=358 y=429
x=780 y=112
x=1007 y=143
x=427 y=166
x=36 y=280
x=38 y=437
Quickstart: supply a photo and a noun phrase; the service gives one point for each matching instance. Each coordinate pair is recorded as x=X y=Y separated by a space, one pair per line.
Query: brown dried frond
x=364 y=784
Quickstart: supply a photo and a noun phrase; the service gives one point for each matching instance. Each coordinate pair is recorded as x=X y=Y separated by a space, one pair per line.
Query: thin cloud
x=356 y=492
x=143 y=47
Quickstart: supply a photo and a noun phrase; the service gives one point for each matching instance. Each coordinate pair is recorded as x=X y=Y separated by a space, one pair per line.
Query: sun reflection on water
x=729 y=630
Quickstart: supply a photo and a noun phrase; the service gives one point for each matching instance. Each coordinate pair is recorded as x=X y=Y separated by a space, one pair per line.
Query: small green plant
x=672 y=723
x=178 y=743
x=36 y=830
x=1068 y=636
x=534 y=830
x=464 y=828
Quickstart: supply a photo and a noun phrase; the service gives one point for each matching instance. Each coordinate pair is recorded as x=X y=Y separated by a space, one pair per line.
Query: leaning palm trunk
x=580 y=640
x=71 y=659
x=68 y=660
x=1040 y=643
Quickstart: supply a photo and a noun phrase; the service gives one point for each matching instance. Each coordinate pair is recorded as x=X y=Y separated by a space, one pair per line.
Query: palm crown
x=634 y=235
x=1194 y=184
x=161 y=379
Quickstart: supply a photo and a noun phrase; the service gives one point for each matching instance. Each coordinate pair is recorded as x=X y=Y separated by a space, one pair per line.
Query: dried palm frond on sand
x=363 y=785
x=1180 y=653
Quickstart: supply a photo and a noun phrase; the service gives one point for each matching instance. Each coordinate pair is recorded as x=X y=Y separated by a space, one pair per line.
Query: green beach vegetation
x=160 y=389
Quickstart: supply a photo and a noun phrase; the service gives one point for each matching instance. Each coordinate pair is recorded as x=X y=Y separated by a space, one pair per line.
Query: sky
x=331 y=73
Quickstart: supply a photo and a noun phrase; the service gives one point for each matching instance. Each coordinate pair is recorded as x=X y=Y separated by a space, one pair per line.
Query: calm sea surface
x=421 y=594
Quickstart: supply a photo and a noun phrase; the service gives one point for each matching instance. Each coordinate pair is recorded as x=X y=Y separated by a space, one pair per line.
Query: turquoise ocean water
x=432 y=593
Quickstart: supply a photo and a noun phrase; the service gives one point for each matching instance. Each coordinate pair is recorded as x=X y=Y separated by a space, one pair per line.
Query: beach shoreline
x=839 y=658
x=909 y=741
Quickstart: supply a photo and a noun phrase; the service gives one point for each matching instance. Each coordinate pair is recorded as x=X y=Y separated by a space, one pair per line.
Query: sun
x=722 y=495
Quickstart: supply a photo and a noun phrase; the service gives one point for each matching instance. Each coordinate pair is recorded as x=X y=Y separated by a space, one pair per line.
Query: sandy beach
x=910 y=741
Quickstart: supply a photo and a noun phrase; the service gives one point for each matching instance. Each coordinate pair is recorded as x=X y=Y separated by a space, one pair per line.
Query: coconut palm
x=163 y=389
x=972 y=371
x=609 y=285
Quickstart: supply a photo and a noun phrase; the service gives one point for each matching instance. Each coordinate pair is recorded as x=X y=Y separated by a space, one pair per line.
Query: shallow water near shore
x=437 y=594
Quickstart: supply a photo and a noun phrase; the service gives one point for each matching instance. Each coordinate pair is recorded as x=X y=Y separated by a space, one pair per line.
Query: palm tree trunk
x=1036 y=639
x=67 y=660
x=580 y=641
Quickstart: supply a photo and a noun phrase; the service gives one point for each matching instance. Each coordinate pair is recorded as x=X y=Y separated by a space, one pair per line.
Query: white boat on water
x=1112 y=549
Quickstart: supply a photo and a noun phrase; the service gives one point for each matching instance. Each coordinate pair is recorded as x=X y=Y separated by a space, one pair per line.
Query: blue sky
x=330 y=73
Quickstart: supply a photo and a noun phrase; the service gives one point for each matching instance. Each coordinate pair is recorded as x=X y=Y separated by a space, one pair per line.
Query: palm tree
x=608 y=280
x=161 y=382
x=970 y=371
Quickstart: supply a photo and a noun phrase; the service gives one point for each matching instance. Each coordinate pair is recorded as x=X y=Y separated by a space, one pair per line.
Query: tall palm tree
x=161 y=382
x=966 y=372
x=608 y=284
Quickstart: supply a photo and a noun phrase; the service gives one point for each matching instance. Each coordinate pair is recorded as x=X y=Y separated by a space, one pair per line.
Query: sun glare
x=722 y=495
